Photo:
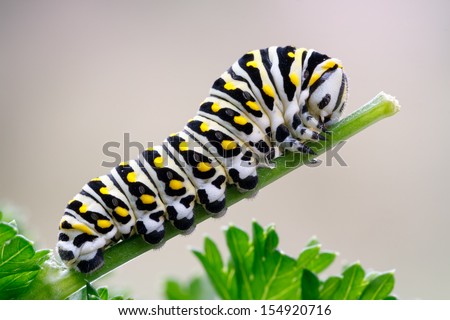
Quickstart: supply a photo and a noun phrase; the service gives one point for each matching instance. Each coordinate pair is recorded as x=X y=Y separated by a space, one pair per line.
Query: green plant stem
x=56 y=282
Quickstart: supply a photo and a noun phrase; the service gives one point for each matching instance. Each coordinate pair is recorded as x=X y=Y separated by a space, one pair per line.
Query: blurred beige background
x=75 y=75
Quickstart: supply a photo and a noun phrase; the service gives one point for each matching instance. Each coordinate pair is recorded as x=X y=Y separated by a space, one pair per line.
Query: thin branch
x=56 y=282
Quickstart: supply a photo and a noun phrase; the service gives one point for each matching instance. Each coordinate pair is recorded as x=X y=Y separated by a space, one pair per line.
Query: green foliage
x=257 y=269
x=19 y=261
x=90 y=293
x=196 y=289
x=379 y=287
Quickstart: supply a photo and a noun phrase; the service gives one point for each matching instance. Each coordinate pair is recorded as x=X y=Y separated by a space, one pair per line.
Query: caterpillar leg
x=309 y=121
x=90 y=262
x=297 y=128
x=304 y=133
x=287 y=142
x=242 y=171
x=151 y=227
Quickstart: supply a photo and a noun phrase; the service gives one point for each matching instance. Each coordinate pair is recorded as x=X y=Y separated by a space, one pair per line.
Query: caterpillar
x=268 y=101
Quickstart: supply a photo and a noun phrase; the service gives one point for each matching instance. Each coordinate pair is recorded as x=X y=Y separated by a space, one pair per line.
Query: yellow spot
x=190 y=120
x=294 y=79
x=204 y=166
x=204 y=127
x=253 y=105
x=150 y=149
x=121 y=211
x=215 y=107
x=131 y=177
x=252 y=64
x=83 y=228
x=158 y=162
x=83 y=208
x=314 y=78
x=172 y=135
x=228 y=145
x=328 y=65
x=122 y=164
x=175 y=184
x=70 y=201
x=95 y=179
x=291 y=54
x=240 y=120
x=183 y=146
x=268 y=90
x=104 y=190
x=104 y=223
x=147 y=199
x=229 y=86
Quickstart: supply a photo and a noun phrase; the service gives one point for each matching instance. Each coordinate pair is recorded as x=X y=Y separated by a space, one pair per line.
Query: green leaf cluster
x=198 y=288
x=19 y=261
x=257 y=269
x=89 y=292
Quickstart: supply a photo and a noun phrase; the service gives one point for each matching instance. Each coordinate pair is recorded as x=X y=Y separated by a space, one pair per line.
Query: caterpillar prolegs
x=268 y=101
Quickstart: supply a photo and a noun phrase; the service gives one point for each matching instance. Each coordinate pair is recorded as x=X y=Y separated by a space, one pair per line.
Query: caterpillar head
x=325 y=84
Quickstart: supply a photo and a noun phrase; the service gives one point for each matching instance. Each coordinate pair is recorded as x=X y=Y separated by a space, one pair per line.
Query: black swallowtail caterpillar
x=268 y=101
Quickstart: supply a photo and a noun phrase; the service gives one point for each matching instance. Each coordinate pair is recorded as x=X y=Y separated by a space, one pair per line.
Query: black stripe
x=116 y=184
x=107 y=199
x=341 y=91
x=268 y=65
x=81 y=239
x=266 y=61
x=284 y=64
x=171 y=155
x=236 y=77
x=227 y=115
x=314 y=60
x=322 y=79
x=282 y=133
x=144 y=170
x=304 y=54
x=238 y=95
x=296 y=121
x=215 y=138
x=255 y=76
x=251 y=71
x=218 y=181
x=186 y=201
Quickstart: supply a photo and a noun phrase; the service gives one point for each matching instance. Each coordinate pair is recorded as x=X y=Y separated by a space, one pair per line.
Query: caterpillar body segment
x=204 y=171
x=268 y=101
